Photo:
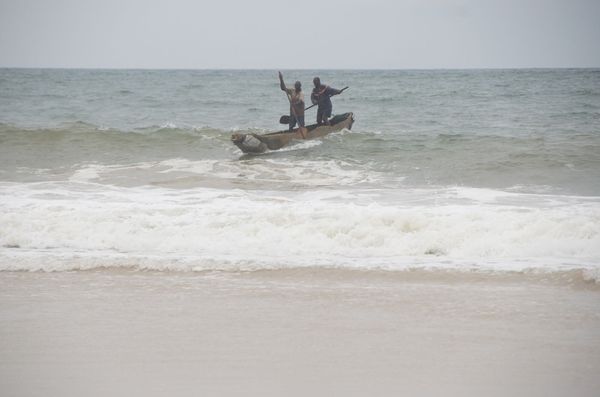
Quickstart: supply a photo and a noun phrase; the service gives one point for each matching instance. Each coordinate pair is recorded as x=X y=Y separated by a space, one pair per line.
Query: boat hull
x=254 y=143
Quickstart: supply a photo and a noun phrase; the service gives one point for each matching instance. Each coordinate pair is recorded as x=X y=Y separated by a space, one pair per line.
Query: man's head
x=298 y=86
x=317 y=82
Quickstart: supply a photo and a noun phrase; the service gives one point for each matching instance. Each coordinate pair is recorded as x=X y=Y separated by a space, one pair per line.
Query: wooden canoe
x=254 y=143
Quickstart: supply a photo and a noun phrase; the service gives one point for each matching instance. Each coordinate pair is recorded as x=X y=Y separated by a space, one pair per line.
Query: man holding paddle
x=321 y=95
x=296 y=98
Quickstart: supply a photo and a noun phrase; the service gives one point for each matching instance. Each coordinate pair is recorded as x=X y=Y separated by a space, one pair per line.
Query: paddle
x=285 y=119
x=302 y=130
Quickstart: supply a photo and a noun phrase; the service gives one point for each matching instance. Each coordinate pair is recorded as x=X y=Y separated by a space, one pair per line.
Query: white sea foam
x=301 y=145
x=303 y=172
x=168 y=125
x=62 y=226
x=33 y=171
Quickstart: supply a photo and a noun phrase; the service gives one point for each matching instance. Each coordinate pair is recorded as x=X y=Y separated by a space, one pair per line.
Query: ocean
x=448 y=245
x=488 y=170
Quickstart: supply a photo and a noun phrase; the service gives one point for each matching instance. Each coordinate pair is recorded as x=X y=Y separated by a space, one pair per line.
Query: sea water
x=485 y=170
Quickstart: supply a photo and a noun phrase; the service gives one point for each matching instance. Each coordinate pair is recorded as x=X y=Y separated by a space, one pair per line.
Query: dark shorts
x=299 y=120
x=323 y=112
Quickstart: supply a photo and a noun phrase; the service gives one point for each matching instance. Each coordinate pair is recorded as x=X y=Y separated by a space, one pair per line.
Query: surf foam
x=87 y=225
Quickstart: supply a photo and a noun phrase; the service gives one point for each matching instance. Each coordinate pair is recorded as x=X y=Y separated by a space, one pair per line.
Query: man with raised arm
x=296 y=98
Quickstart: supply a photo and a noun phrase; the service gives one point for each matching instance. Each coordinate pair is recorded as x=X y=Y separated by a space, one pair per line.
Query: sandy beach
x=298 y=332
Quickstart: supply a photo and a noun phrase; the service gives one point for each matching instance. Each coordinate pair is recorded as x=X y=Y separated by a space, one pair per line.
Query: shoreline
x=296 y=332
x=574 y=277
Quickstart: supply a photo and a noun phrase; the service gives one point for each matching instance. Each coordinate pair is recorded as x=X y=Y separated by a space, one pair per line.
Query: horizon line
x=297 y=69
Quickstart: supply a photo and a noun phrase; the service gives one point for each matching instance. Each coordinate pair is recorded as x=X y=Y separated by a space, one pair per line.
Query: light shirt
x=297 y=99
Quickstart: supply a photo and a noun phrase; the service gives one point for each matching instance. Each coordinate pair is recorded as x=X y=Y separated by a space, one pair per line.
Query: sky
x=302 y=34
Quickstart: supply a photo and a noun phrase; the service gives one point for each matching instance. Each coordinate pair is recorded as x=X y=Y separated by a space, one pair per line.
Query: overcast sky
x=314 y=34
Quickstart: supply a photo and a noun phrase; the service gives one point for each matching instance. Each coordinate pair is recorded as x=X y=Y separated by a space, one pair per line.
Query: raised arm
x=281 y=83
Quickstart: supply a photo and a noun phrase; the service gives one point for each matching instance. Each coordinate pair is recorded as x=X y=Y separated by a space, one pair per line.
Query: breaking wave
x=74 y=225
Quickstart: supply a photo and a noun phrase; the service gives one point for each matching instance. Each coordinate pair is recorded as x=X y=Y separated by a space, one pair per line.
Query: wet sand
x=297 y=333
